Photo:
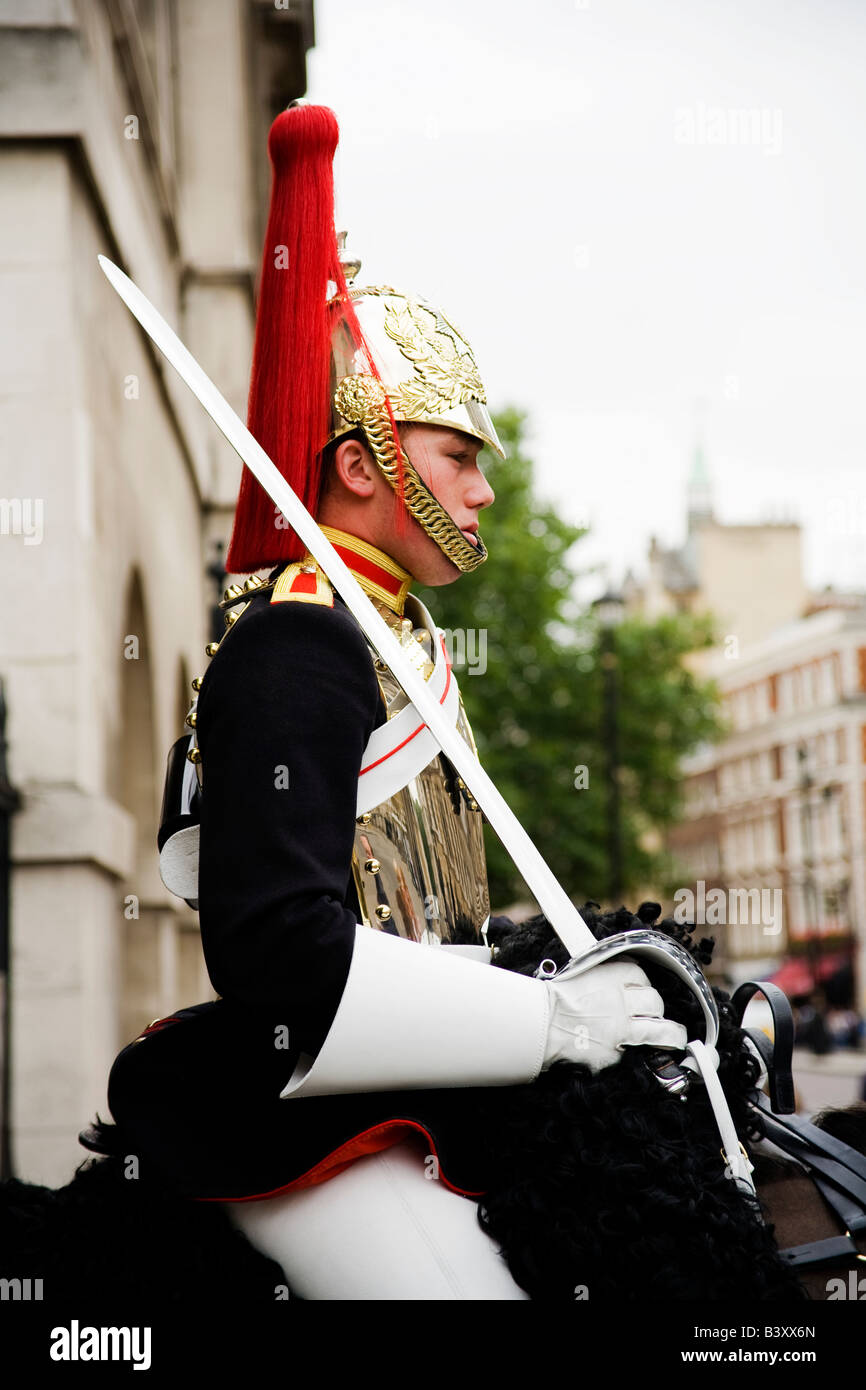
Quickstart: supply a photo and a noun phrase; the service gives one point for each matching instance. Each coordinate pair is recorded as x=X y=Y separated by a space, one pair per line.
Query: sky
x=650 y=222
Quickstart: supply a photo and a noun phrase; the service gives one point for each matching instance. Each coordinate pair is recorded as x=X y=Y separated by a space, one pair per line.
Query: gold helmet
x=425 y=374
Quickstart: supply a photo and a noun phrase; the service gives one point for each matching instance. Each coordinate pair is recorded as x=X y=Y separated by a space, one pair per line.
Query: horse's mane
x=847 y=1123
x=608 y=1186
x=600 y=1186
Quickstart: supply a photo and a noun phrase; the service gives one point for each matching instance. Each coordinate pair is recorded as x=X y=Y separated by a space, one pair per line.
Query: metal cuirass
x=418 y=863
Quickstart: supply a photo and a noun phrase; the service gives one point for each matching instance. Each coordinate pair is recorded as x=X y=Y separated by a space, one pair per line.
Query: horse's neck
x=795 y=1208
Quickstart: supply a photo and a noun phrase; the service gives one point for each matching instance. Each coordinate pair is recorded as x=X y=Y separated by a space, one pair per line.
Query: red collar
x=379 y=576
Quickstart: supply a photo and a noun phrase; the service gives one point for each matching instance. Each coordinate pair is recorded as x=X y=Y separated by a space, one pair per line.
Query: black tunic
x=284 y=714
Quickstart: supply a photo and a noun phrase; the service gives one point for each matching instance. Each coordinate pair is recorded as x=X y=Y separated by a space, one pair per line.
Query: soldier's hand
x=598 y=1013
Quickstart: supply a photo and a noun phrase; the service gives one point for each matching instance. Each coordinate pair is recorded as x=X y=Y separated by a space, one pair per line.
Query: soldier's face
x=447 y=461
x=358 y=498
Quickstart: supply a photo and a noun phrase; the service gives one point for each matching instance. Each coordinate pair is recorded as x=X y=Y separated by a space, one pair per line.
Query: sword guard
x=661 y=950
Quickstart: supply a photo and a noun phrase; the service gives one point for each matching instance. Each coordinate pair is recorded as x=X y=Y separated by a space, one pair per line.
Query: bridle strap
x=822 y=1252
x=781 y=1070
x=737 y=1164
x=815 y=1148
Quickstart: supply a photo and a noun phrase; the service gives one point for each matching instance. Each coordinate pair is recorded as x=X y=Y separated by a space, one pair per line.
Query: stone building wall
x=137 y=131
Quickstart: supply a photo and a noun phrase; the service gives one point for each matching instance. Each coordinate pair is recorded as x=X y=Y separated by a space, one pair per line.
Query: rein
x=837 y=1170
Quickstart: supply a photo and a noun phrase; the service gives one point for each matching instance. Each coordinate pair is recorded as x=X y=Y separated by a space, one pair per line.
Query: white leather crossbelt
x=401 y=748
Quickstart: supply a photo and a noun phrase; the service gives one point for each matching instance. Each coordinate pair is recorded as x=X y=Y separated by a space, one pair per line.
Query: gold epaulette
x=303 y=582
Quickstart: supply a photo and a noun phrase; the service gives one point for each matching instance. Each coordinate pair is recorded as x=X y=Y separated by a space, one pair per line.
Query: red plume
x=288 y=400
x=289 y=411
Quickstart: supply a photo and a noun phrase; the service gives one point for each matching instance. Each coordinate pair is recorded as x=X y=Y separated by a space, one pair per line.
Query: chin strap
x=705 y=1061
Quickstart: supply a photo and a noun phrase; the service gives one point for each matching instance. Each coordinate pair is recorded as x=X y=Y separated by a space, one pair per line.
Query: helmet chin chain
x=361 y=400
x=701 y=1062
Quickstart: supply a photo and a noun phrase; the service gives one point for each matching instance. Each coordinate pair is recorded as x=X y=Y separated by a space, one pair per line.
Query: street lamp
x=609 y=611
x=810 y=897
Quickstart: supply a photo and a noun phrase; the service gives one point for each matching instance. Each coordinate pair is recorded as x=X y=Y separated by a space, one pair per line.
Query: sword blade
x=548 y=892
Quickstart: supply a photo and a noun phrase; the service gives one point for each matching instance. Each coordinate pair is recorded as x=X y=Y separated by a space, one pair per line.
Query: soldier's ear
x=354 y=467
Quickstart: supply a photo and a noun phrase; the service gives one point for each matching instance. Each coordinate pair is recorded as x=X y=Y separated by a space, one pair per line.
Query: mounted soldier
x=332 y=847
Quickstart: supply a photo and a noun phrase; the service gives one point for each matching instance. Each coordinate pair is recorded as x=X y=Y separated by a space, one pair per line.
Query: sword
x=554 y=902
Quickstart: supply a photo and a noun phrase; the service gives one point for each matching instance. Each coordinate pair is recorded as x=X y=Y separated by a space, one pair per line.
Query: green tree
x=532 y=684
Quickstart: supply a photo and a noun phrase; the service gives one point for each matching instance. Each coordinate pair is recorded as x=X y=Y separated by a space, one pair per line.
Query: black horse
x=602 y=1182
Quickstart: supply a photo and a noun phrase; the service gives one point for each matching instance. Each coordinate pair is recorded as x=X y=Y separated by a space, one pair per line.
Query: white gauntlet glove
x=416 y=1016
x=596 y=1014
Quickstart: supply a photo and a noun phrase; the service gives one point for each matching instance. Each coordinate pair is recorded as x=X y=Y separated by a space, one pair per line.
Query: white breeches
x=379 y=1230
